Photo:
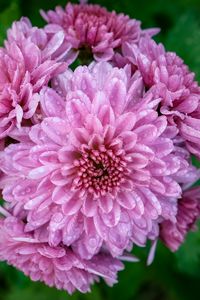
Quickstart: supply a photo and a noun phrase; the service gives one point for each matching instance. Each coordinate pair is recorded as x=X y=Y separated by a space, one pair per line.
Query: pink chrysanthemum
x=91 y=28
x=173 y=233
x=166 y=75
x=25 y=67
x=96 y=167
x=56 y=266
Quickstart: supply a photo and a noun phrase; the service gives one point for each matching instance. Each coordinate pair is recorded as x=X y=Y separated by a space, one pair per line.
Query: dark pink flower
x=91 y=28
x=56 y=266
x=166 y=75
x=25 y=67
x=173 y=233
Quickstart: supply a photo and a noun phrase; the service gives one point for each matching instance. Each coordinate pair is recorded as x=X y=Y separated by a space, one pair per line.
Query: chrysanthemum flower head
x=95 y=168
x=91 y=29
x=26 y=65
x=94 y=160
x=174 y=233
x=56 y=266
x=166 y=75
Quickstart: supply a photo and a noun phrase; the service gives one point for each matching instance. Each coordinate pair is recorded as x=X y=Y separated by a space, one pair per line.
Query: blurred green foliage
x=171 y=276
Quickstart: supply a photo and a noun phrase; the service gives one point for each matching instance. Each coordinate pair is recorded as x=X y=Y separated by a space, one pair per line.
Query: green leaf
x=7 y=16
x=94 y=295
x=188 y=256
x=38 y=291
x=129 y=282
x=195 y=162
x=4 y=4
x=184 y=39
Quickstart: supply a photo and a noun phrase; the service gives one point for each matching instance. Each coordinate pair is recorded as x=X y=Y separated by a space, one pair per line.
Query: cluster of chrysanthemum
x=97 y=159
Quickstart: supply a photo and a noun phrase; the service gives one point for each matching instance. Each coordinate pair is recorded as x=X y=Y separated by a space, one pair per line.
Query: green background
x=171 y=276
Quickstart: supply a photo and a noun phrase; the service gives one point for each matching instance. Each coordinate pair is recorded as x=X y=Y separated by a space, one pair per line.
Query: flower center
x=99 y=172
x=85 y=55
